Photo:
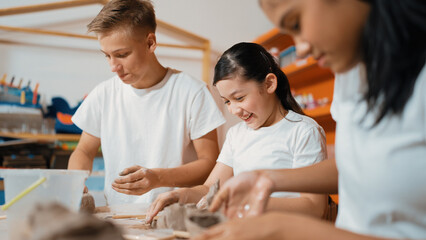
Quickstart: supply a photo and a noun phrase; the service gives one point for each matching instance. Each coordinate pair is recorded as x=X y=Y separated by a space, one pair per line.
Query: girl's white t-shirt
x=293 y=142
x=153 y=127
x=382 y=169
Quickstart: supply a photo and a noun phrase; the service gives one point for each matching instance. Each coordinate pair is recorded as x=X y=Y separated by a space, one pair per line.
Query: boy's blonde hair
x=135 y=15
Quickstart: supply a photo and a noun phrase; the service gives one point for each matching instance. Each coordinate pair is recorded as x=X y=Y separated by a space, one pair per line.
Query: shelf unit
x=305 y=76
x=43 y=138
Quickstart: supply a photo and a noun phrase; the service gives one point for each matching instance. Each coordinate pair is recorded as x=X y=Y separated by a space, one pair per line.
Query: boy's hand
x=136 y=180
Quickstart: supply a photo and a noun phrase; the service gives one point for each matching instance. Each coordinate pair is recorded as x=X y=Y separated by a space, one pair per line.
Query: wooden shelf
x=306 y=72
x=299 y=65
x=43 y=137
x=274 y=38
x=300 y=73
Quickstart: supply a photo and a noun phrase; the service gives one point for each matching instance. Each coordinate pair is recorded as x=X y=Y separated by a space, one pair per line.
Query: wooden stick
x=181 y=31
x=130 y=216
x=181 y=234
x=206 y=62
x=74 y=35
x=46 y=32
x=47 y=6
x=3 y=217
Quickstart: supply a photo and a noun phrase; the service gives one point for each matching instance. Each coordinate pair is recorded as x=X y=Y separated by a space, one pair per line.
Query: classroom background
x=52 y=73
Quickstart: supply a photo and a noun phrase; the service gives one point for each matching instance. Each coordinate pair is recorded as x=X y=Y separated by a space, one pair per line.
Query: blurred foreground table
x=133 y=228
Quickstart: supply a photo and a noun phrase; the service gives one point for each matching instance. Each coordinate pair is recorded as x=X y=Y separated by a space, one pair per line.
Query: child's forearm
x=318 y=178
x=188 y=175
x=307 y=204
x=80 y=161
x=193 y=195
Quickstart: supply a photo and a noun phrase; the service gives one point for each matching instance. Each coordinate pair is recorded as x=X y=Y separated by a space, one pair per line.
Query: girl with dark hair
x=251 y=61
x=378 y=50
x=274 y=132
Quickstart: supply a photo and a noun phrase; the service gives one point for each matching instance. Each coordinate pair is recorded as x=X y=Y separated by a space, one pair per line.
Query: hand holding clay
x=244 y=195
x=136 y=180
x=163 y=200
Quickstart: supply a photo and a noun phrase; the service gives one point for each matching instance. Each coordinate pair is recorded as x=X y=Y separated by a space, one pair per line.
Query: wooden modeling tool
x=158 y=236
x=181 y=234
x=11 y=81
x=20 y=83
x=3 y=79
x=35 y=94
x=129 y=216
x=22 y=97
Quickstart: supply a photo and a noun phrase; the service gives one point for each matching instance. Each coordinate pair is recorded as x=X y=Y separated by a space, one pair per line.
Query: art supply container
x=62 y=186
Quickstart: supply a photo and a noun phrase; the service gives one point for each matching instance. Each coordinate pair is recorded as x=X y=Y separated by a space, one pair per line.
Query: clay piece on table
x=87 y=203
x=197 y=221
x=205 y=201
x=189 y=217
x=102 y=209
x=54 y=221
x=173 y=217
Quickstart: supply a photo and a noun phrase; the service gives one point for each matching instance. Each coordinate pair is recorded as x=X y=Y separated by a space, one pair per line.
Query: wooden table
x=134 y=227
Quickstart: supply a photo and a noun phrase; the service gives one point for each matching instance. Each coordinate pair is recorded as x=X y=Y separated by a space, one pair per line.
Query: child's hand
x=136 y=180
x=163 y=200
x=244 y=195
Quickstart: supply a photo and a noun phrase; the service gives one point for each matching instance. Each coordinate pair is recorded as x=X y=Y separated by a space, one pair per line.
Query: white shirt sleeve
x=310 y=148
x=226 y=154
x=205 y=115
x=423 y=103
x=334 y=109
x=88 y=115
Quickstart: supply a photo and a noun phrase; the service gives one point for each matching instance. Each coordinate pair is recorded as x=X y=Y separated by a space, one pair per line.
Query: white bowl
x=62 y=186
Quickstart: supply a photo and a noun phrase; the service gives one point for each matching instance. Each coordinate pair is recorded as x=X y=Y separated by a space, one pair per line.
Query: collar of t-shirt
x=145 y=91
x=290 y=117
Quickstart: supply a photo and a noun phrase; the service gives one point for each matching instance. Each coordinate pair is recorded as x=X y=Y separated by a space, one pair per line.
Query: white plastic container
x=62 y=186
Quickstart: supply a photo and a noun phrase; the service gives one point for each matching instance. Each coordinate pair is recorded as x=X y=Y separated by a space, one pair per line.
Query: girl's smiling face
x=329 y=30
x=254 y=103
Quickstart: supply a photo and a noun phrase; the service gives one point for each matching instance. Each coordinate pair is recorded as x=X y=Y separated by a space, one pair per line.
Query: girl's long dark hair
x=252 y=62
x=394 y=51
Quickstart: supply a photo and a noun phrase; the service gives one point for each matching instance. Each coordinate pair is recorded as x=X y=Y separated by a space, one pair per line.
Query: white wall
x=72 y=67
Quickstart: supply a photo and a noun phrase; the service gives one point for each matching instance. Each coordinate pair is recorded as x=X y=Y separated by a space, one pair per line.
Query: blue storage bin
x=2 y=197
x=96 y=181
x=288 y=56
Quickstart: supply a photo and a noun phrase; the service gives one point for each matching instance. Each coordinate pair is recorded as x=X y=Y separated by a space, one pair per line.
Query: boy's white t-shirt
x=382 y=169
x=153 y=127
x=293 y=142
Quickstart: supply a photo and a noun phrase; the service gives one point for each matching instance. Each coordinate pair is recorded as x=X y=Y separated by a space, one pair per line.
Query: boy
x=157 y=126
